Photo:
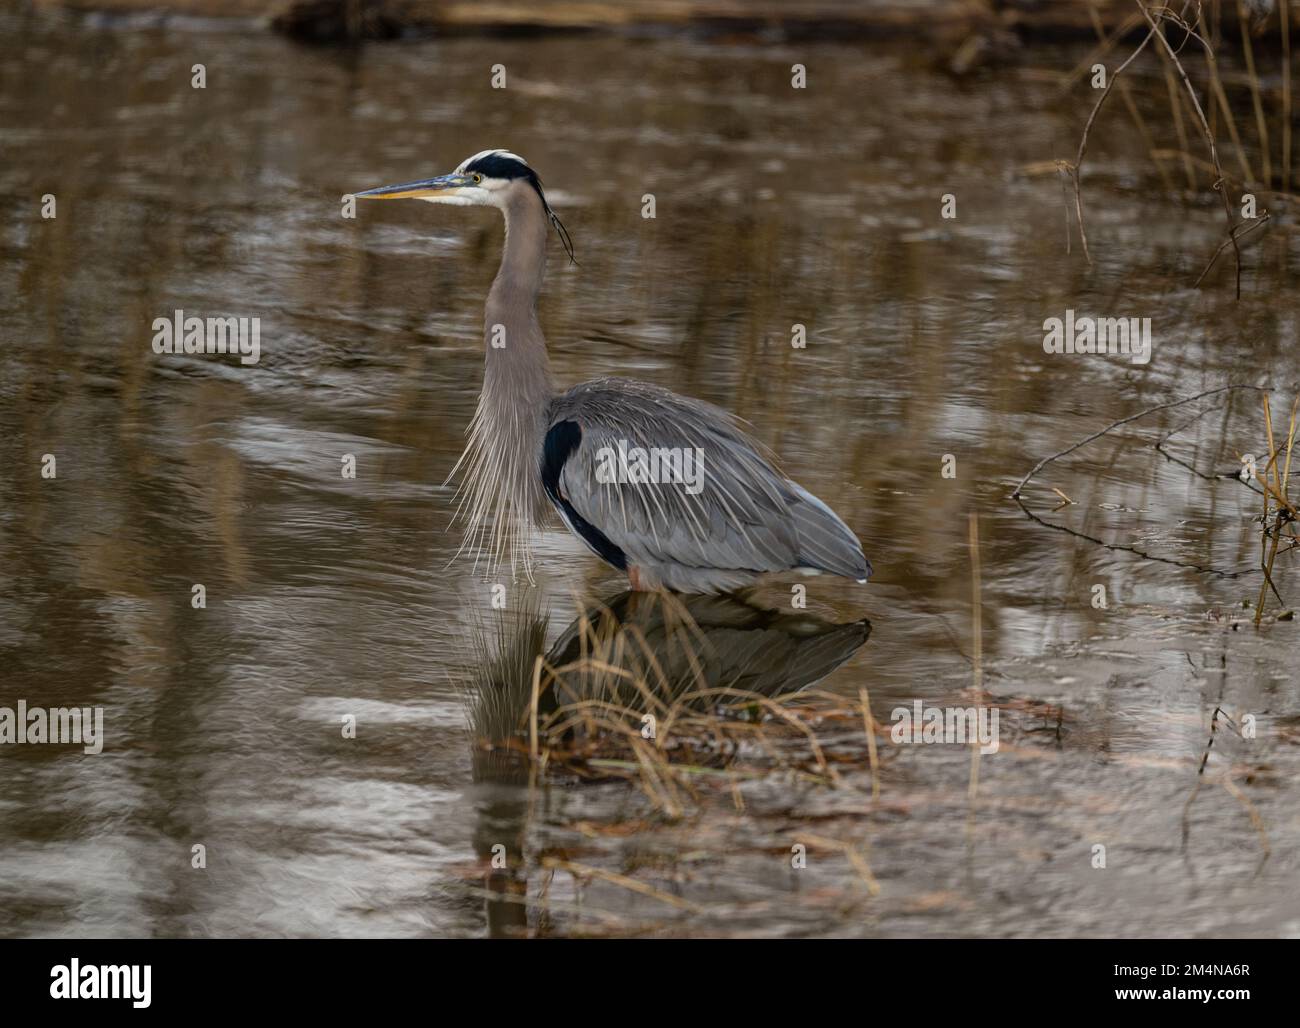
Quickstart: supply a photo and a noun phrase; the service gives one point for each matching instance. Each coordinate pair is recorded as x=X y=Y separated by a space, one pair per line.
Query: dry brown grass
x=670 y=715
x=1278 y=522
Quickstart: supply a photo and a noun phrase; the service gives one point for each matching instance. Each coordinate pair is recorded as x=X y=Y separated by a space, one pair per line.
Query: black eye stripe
x=495 y=165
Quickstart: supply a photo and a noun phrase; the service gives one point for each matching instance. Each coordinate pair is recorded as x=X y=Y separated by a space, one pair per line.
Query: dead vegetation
x=1269 y=478
x=688 y=696
x=677 y=696
x=702 y=713
x=1189 y=43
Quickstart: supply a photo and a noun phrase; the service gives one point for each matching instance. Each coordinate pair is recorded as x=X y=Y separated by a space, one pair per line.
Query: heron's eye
x=477 y=178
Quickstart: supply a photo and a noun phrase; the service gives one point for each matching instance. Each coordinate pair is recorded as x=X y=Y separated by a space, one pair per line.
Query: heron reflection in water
x=633 y=651
x=531 y=445
x=696 y=652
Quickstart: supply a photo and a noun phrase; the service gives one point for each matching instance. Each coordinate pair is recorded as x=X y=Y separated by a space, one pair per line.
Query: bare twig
x=1205 y=126
x=1083 y=140
x=1016 y=493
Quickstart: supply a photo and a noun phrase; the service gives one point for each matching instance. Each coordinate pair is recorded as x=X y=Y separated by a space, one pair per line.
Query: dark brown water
x=329 y=597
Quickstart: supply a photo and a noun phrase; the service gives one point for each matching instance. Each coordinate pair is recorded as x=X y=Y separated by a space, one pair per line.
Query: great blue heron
x=615 y=457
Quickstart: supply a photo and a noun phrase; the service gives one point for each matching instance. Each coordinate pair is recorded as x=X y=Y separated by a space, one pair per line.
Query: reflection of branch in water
x=1160 y=444
x=1120 y=547
x=1205 y=758
x=1231 y=787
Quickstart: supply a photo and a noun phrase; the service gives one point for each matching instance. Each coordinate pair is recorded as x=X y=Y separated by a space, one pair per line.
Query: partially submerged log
x=324 y=21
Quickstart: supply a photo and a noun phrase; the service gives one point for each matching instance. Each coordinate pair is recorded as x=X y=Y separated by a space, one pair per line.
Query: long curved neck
x=523 y=259
x=502 y=459
x=516 y=358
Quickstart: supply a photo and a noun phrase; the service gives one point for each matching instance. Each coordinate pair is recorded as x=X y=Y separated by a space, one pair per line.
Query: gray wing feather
x=748 y=516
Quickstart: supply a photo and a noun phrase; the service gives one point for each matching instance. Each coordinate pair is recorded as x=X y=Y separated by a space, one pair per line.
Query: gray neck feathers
x=501 y=495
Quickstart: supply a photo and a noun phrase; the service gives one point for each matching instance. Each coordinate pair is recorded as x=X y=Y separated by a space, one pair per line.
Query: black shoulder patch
x=563 y=438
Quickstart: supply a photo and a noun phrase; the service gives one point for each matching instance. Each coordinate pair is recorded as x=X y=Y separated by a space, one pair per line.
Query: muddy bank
x=815 y=19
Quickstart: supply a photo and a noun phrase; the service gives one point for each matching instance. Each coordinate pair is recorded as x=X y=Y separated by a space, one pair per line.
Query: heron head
x=491 y=178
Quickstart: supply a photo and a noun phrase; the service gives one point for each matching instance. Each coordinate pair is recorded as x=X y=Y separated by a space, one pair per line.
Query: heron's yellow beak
x=443 y=185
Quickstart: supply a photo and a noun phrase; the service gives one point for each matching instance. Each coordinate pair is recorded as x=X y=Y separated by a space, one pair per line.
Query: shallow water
x=328 y=597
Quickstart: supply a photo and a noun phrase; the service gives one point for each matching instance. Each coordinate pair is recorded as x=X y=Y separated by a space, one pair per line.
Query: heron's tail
x=825 y=542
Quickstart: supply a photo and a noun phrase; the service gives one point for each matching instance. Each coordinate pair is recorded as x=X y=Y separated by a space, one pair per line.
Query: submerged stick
x=623 y=881
x=1033 y=472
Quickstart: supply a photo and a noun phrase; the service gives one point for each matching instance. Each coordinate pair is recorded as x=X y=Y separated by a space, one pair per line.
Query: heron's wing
x=735 y=511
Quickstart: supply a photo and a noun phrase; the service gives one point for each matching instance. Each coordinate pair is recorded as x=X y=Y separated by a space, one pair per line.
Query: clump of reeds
x=674 y=715
x=655 y=700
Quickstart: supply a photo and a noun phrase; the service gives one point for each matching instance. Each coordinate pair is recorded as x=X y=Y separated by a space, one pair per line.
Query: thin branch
x=1209 y=136
x=1087 y=128
x=1241 y=230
